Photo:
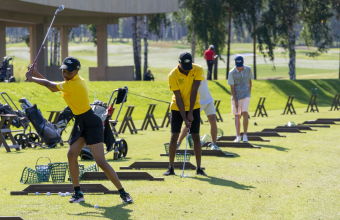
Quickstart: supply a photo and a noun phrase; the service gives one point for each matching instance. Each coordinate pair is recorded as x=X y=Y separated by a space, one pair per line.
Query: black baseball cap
x=186 y=61
x=70 y=64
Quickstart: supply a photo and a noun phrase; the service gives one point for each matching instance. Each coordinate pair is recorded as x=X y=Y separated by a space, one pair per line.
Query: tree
x=145 y=21
x=249 y=15
x=278 y=22
x=136 y=44
x=93 y=33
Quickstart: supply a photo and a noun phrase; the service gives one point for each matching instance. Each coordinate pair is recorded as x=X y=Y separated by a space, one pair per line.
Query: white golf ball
x=185 y=176
x=36 y=193
x=59 y=193
x=67 y=193
x=96 y=206
x=48 y=193
x=63 y=194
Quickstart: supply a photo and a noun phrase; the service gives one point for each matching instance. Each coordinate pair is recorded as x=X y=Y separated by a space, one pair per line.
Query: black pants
x=210 y=67
x=177 y=121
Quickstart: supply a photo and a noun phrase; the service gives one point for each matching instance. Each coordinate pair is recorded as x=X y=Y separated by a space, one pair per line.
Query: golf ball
x=185 y=176
x=63 y=194
x=67 y=193
x=37 y=193
x=59 y=193
x=48 y=193
x=96 y=206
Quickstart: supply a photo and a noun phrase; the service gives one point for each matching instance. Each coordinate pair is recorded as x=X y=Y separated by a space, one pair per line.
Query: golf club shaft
x=236 y=117
x=36 y=58
x=185 y=152
x=149 y=98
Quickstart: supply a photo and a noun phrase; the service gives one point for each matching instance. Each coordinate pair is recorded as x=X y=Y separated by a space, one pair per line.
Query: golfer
x=184 y=81
x=207 y=104
x=239 y=79
x=209 y=56
x=88 y=127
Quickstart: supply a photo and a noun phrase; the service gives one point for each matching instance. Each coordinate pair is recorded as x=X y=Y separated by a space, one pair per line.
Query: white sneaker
x=245 y=138
x=238 y=139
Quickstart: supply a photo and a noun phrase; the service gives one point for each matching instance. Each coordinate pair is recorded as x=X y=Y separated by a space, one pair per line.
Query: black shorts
x=89 y=126
x=177 y=121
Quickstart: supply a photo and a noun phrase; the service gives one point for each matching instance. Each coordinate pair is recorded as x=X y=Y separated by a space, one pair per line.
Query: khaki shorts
x=209 y=108
x=243 y=106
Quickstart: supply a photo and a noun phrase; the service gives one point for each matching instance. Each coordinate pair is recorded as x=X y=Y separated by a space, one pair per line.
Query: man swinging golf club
x=184 y=81
x=88 y=127
x=239 y=79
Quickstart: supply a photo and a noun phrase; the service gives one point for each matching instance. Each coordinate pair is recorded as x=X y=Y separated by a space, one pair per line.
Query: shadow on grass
x=283 y=149
x=223 y=182
x=113 y=212
x=222 y=87
x=302 y=89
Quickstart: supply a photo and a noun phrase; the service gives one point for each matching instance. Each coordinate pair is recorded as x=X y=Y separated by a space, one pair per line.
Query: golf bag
x=64 y=118
x=47 y=131
x=5 y=73
x=105 y=112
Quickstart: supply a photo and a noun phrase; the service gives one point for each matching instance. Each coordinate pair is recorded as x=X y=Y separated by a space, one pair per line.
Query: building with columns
x=38 y=14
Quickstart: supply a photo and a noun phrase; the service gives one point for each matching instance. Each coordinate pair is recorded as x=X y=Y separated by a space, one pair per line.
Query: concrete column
x=64 y=42
x=102 y=51
x=37 y=35
x=2 y=40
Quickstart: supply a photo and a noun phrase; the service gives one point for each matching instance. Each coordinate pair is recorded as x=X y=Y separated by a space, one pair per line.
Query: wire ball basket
x=45 y=170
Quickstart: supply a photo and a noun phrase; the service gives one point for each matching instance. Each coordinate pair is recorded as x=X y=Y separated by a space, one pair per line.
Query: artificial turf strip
x=296 y=177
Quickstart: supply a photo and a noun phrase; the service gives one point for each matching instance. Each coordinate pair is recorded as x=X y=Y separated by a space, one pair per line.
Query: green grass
x=296 y=177
x=276 y=92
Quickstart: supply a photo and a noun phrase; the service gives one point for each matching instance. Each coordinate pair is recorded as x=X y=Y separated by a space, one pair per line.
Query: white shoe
x=238 y=139
x=245 y=138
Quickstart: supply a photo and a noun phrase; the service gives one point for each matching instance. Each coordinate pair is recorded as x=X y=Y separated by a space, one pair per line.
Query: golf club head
x=62 y=7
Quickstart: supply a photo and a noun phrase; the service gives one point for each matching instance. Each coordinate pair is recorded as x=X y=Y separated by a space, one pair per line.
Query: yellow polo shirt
x=75 y=94
x=183 y=83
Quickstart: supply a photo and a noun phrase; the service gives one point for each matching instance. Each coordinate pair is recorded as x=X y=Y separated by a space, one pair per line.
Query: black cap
x=186 y=61
x=70 y=64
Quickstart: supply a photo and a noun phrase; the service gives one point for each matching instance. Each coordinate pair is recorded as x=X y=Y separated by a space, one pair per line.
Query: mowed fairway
x=296 y=177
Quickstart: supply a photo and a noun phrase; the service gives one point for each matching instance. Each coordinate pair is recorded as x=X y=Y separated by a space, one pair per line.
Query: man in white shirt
x=207 y=104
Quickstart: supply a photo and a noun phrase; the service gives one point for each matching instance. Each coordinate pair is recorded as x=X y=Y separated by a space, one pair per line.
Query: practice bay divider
x=150 y=119
x=128 y=122
x=159 y=165
x=55 y=188
x=121 y=176
x=336 y=103
x=250 y=138
x=217 y=153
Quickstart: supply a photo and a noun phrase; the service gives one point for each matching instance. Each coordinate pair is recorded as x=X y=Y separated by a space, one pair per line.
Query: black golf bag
x=47 y=131
x=3 y=70
x=64 y=118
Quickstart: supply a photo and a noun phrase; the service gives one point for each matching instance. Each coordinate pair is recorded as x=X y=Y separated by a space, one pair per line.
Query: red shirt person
x=209 y=56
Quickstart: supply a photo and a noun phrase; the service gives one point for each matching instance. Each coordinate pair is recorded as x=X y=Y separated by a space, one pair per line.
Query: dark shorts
x=89 y=126
x=177 y=121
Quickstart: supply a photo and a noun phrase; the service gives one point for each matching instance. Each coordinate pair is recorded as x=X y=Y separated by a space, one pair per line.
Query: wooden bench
x=260 y=107
x=150 y=119
x=218 y=114
x=54 y=114
x=289 y=106
x=336 y=103
x=312 y=104
x=128 y=122
x=6 y=130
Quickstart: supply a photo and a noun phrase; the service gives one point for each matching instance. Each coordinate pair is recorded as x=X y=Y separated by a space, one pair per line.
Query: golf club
x=236 y=117
x=62 y=7
x=185 y=153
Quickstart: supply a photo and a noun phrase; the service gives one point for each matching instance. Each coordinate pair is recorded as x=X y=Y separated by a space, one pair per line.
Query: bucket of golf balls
x=45 y=170
x=180 y=157
x=58 y=171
